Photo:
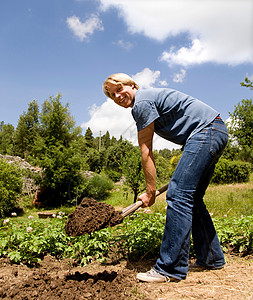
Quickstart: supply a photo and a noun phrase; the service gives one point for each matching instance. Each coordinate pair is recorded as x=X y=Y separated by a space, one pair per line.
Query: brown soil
x=61 y=280
x=90 y=216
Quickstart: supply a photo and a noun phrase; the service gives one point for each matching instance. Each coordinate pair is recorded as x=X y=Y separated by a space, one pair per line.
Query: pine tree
x=27 y=130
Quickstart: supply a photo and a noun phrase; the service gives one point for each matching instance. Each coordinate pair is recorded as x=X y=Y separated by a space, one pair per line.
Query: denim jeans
x=186 y=211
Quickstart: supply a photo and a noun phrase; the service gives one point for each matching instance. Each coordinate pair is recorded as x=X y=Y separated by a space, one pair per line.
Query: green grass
x=120 y=197
x=232 y=200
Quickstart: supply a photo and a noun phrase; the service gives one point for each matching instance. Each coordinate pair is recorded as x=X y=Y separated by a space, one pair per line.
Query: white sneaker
x=152 y=276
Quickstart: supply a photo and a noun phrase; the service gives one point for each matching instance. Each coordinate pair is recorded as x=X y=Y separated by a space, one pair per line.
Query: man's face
x=123 y=95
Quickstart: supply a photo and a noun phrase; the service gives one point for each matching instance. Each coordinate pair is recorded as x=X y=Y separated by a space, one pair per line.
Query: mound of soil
x=90 y=216
x=51 y=282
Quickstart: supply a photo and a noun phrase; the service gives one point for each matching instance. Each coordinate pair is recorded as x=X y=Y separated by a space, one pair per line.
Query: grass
x=232 y=200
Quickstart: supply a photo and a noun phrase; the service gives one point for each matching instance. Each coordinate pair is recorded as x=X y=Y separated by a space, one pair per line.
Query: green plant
x=10 y=186
x=140 y=235
x=113 y=175
x=231 y=171
x=98 y=187
x=236 y=234
x=29 y=240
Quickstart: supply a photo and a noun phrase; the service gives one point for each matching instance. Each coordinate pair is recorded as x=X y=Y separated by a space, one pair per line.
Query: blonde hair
x=118 y=78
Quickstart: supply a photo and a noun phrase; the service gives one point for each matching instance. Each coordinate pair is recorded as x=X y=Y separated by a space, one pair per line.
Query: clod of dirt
x=90 y=216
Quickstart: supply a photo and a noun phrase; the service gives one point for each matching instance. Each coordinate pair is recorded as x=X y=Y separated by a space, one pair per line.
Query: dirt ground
x=62 y=280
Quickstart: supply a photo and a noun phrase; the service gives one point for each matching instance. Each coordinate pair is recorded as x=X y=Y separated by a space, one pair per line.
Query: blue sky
x=203 y=48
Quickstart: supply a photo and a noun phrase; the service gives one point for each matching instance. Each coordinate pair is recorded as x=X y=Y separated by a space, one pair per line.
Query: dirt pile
x=90 y=216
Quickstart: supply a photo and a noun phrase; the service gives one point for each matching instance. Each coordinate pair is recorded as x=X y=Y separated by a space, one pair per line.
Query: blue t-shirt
x=176 y=116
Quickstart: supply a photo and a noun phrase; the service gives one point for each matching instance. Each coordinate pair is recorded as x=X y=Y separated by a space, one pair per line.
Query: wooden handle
x=133 y=207
x=161 y=190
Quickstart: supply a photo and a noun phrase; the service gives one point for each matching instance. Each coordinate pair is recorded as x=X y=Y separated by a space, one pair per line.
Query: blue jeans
x=186 y=211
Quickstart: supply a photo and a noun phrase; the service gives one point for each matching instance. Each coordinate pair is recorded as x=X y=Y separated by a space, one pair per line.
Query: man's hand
x=148 y=199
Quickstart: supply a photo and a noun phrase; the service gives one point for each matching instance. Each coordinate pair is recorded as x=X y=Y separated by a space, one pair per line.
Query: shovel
x=133 y=207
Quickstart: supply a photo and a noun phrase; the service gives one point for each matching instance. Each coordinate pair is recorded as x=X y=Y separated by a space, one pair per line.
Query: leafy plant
x=236 y=234
x=98 y=186
x=139 y=236
x=231 y=171
x=10 y=186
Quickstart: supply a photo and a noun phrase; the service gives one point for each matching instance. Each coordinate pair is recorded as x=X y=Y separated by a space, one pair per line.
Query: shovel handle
x=133 y=207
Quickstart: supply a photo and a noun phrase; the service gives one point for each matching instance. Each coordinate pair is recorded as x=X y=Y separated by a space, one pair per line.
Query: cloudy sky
x=201 y=47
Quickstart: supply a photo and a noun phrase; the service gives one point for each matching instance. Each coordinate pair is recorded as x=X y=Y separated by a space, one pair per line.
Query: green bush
x=227 y=171
x=113 y=175
x=98 y=187
x=10 y=187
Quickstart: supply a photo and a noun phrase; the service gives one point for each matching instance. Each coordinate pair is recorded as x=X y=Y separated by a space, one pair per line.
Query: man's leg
x=200 y=154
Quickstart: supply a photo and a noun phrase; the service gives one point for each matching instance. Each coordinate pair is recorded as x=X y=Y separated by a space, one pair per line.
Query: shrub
x=113 y=175
x=231 y=171
x=98 y=187
x=10 y=187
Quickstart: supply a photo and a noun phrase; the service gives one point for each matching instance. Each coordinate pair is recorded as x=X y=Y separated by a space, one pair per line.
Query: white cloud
x=219 y=31
x=125 y=45
x=146 y=78
x=196 y=54
x=119 y=121
x=163 y=83
x=179 y=77
x=84 y=30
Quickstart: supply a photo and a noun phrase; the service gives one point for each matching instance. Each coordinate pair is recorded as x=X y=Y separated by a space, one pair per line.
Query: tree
x=89 y=139
x=116 y=153
x=247 y=83
x=164 y=169
x=106 y=141
x=132 y=170
x=241 y=126
x=27 y=130
x=6 y=138
x=92 y=159
x=57 y=151
x=57 y=123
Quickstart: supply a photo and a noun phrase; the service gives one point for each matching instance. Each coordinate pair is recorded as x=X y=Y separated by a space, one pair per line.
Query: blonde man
x=186 y=121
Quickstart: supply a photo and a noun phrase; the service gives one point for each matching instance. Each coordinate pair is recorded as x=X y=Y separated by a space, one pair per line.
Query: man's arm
x=145 y=139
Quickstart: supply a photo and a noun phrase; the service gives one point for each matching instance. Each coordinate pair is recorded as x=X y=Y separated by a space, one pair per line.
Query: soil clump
x=91 y=215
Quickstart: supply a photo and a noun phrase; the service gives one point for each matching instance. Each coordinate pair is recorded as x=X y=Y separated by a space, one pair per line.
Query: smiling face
x=121 y=94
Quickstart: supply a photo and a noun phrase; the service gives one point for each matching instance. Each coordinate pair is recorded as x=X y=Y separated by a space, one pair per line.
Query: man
x=191 y=123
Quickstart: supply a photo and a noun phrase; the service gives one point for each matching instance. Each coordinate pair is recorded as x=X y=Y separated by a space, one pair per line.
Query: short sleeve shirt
x=176 y=116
